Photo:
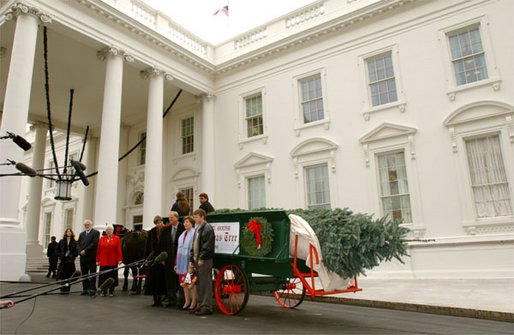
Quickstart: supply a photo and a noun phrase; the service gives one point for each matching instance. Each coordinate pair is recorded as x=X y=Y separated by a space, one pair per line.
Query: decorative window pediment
x=313 y=146
x=253 y=159
x=185 y=174
x=477 y=111
x=386 y=131
x=389 y=135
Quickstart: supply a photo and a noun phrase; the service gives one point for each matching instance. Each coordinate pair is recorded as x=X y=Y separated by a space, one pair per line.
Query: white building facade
x=396 y=107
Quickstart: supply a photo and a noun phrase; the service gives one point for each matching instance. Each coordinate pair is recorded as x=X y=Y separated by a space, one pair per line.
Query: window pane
x=382 y=83
x=394 y=187
x=468 y=56
x=311 y=98
x=254 y=122
x=187 y=135
x=318 y=190
x=256 y=193
x=491 y=190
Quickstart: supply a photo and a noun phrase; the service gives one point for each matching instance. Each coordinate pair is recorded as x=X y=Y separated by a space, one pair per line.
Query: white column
x=153 y=158
x=208 y=154
x=107 y=178
x=34 y=248
x=14 y=119
x=88 y=198
x=122 y=176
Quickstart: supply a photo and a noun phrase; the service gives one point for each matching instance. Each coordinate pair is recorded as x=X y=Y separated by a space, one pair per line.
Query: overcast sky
x=197 y=15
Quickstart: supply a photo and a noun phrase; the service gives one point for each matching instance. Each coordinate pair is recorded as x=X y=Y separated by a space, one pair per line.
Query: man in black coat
x=169 y=243
x=87 y=244
x=51 y=253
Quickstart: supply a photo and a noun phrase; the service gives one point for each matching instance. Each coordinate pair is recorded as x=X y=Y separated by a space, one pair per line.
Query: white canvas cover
x=330 y=281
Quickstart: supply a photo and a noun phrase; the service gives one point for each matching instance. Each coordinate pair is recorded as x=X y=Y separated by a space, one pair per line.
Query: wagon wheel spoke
x=231 y=289
x=291 y=294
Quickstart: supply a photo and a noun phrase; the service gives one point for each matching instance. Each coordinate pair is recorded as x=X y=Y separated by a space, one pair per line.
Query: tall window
x=468 y=55
x=48 y=227
x=187 y=135
x=488 y=178
x=253 y=111
x=381 y=78
x=188 y=192
x=318 y=189
x=394 y=188
x=256 y=192
x=50 y=169
x=311 y=98
x=142 y=149
x=68 y=218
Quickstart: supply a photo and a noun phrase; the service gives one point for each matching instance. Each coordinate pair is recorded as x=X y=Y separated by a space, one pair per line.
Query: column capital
x=20 y=8
x=113 y=51
x=152 y=71
x=205 y=97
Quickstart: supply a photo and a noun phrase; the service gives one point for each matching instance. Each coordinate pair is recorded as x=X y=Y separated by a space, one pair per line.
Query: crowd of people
x=180 y=256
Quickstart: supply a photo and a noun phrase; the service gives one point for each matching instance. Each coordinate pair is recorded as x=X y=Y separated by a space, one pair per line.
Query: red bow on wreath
x=255 y=227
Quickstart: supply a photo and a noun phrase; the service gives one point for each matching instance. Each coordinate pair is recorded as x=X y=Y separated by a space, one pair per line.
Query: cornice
x=245 y=60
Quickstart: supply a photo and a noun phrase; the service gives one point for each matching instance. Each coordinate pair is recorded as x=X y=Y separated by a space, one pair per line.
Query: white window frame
x=387 y=138
x=476 y=120
x=47 y=228
x=400 y=103
x=306 y=184
x=493 y=79
x=253 y=165
x=311 y=152
x=247 y=184
x=243 y=129
x=299 y=123
x=141 y=158
x=70 y=205
x=182 y=136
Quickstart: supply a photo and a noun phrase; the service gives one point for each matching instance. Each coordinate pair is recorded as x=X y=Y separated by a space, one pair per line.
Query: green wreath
x=258 y=229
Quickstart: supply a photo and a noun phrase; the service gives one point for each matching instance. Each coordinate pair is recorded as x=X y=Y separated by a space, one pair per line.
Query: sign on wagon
x=227 y=237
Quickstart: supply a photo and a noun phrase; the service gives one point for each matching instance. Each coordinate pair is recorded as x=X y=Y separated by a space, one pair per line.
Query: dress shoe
x=192 y=310
x=184 y=308
x=203 y=311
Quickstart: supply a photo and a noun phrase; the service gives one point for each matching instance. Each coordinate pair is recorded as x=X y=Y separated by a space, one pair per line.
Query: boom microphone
x=26 y=169
x=22 y=143
x=79 y=167
x=150 y=257
x=162 y=257
x=107 y=284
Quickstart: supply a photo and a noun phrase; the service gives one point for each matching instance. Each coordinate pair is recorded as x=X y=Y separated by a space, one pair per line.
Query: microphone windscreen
x=22 y=143
x=107 y=284
x=78 y=171
x=162 y=257
x=150 y=256
x=26 y=169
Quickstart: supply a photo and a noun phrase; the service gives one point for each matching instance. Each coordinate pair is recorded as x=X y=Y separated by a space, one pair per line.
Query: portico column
x=89 y=192
x=107 y=179
x=153 y=158
x=34 y=248
x=14 y=119
x=208 y=154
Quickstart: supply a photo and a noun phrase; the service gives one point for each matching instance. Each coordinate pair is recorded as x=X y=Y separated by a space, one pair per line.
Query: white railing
x=185 y=40
x=304 y=16
x=250 y=38
x=143 y=12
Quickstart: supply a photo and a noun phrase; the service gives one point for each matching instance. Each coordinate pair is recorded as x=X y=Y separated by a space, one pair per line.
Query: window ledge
x=191 y=155
x=320 y=123
x=504 y=224
x=495 y=83
x=397 y=104
x=263 y=138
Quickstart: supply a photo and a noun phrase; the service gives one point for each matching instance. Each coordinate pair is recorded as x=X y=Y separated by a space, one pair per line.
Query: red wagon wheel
x=291 y=294
x=231 y=290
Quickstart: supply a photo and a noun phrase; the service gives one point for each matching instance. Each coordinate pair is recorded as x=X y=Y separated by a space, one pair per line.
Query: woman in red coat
x=108 y=257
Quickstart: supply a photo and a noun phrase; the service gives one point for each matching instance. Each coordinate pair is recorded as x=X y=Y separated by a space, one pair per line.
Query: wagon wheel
x=231 y=290
x=291 y=294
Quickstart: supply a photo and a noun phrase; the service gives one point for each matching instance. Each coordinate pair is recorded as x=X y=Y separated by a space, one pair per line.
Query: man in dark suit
x=169 y=243
x=87 y=244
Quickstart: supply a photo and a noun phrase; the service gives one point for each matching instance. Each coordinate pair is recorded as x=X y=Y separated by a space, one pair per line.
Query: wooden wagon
x=238 y=273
